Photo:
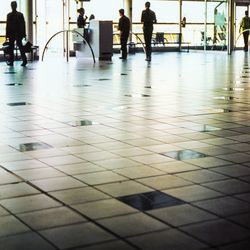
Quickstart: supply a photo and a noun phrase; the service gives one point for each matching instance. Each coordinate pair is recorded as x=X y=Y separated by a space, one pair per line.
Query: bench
x=34 y=54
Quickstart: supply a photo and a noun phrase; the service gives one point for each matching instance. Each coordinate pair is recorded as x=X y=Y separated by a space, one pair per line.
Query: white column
x=29 y=20
x=205 y=27
x=128 y=9
x=231 y=18
x=180 y=22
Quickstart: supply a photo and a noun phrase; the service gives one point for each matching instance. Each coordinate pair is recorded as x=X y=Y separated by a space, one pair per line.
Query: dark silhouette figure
x=124 y=27
x=15 y=31
x=148 y=18
x=81 y=20
x=245 y=25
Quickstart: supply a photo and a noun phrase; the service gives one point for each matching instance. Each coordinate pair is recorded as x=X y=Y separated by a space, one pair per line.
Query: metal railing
x=67 y=43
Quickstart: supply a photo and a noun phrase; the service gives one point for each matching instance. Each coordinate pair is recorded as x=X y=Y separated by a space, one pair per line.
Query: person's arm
x=7 y=33
x=142 y=17
x=240 y=26
x=154 y=18
x=23 y=29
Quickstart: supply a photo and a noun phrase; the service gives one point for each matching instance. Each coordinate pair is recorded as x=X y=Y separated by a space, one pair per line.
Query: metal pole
x=128 y=5
x=29 y=20
x=67 y=45
x=180 y=23
x=205 y=27
x=231 y=18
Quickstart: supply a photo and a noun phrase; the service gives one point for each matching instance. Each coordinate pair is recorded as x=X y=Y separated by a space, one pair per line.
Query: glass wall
x=56 y=15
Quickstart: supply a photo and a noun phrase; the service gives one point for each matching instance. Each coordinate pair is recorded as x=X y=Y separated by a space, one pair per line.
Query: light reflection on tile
x=184 y=155
x=33 y=146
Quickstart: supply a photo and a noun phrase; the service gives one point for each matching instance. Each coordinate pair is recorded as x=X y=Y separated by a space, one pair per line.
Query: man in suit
x=15 y=32
x=148 y=18
x=124 y=28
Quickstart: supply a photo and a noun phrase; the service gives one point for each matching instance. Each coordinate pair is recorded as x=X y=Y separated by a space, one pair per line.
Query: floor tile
x=40 y=173
x=242 y=245
x=79 y=168
x=225 y=206
x=193 y=193
x=164 y=182
x=3 y=212
x=241 y=219
x=76 y=235
x=8 y=178
x=49 y=218
x=181 y=215
x=124 y=188
x=116 y=163
x=61 y=160
x=208 y=162
x=217 y=232
x=235 y=170
x=175 y=167
x=79 y=195
x=132 y=224
x=229 y=186
x=9 y=225
x=29 y=203
x=151 y=159
x=150 y=200
x=17 y=189
x=104 y=208
x=25 y=164
x=113 y=245
x=33 y=146
x=100 y=177
x=236 y=157
x=27 y=241
x=169 y=239
x=139 y=172
x=201 y=176
x=182 y=155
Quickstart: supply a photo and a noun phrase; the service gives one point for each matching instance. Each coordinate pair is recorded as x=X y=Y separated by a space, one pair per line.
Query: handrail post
x=67 y=45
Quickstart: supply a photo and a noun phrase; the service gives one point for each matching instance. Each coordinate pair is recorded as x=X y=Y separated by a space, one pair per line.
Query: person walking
x=15 y=32
x=124 y=28
x=245 y=26
x=148 y=18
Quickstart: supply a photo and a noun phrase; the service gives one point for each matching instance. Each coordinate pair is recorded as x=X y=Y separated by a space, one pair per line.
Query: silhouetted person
x=81 y=20
x=15 y=31
x=92 y=16
x=245 y=25
x=148 y=18
x=124 y=27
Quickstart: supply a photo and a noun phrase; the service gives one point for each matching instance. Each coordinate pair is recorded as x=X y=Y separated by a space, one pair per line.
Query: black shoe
x=123 y=58
x=24 y=64
x=10 y=63
x=148 y=59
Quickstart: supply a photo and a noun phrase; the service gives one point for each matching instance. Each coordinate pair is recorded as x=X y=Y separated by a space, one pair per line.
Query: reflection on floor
x=126 y=155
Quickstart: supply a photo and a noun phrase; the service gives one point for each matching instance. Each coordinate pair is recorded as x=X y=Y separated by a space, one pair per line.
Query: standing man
x=124 y=27
x=15 y=31
x=245 y=25
x=81 y=19
x=148 y=18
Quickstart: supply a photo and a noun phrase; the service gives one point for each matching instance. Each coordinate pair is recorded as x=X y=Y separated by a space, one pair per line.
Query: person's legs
x=148 y=38
x=20 y=46
x=11 y=58
x=124 y=40
x=245 y=36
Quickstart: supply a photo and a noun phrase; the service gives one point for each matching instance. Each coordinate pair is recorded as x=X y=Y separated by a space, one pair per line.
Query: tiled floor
x=126 y=155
